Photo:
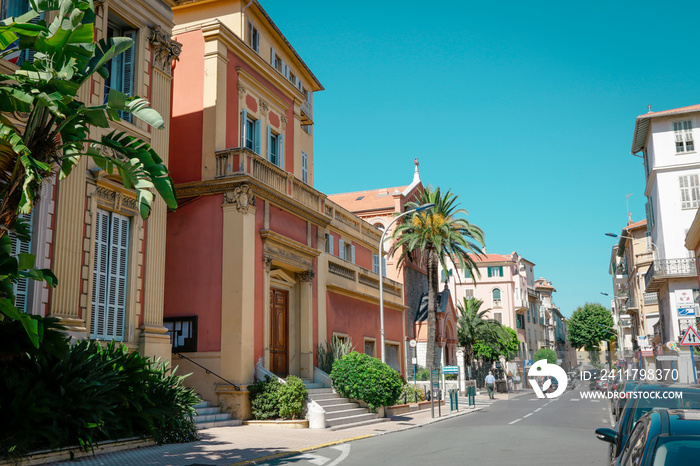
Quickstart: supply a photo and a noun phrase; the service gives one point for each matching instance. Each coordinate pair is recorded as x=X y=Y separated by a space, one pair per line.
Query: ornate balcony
x=662 y=270
x=351 y=278
x=651 y=298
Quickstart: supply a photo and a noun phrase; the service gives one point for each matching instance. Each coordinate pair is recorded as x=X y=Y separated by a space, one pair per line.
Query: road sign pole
x=692 y=362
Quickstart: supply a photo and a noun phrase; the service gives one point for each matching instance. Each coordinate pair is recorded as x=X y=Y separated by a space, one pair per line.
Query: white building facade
x=667 y=142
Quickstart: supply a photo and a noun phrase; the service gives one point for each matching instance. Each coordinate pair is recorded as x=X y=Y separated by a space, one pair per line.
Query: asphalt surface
x=523 y=430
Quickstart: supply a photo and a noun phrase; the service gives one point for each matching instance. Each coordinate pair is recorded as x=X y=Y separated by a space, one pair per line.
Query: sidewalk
x=244 y=445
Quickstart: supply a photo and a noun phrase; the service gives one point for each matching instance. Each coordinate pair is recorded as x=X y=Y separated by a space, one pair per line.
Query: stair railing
x=208 y=371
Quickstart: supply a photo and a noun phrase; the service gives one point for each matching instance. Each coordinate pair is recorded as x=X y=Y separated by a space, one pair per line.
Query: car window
x=634 y=449
x=672 y=452
x=689 y=401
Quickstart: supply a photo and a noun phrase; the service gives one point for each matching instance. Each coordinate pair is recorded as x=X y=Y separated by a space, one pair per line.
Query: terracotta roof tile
x=372 y=199
x=687 y=109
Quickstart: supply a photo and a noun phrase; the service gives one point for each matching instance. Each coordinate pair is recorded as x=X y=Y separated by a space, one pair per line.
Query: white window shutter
x=244 y=120
x=331 y=244
x=341 y=249
x=99 y=275
x=272 y=57
x=280 y=150
x=117 y=283
x=352 y=253
x=679 y=137
x=689 y=135
x=375 y=263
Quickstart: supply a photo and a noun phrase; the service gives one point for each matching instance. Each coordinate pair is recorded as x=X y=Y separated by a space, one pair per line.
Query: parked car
x=664 y=437
x=617 y=404
x=640 y=404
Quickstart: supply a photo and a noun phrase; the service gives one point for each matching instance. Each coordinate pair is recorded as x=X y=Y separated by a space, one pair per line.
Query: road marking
x=537 y=409
x=345 y=449
x=515 y=421
x=534 y=399
x=527 y=415
x=605 y=421
x=595 y=401
x=576 y=399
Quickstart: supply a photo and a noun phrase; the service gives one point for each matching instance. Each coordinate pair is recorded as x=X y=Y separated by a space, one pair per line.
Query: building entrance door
x=279 y=328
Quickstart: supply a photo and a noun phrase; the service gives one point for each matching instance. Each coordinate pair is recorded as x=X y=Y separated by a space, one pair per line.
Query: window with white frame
x=275 y=147
x=304 y=167
x=496 y=271
x=121 y=68
x=469 y=294
x=496 y=294
x=109 y=287
x=276 y=61
x=250 y=132
x=690 y=191
x=498 y=317
x=683 y=132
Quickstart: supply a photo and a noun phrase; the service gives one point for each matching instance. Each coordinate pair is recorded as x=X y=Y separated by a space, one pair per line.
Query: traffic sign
x=450 y=370
x=691 y=338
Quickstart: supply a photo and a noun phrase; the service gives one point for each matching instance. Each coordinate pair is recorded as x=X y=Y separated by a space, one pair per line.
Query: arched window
x=496 y=294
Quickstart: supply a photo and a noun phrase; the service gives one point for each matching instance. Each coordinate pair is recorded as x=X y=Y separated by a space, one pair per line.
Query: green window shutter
x=280 y=151
x=269 y=144
x=489 y=271
x=500 y=271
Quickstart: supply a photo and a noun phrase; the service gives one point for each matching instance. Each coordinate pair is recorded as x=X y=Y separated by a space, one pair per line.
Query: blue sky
x=524 y=109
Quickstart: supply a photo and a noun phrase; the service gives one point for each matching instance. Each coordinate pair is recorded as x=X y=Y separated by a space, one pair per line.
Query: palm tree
x=432 y=236
x=474 y=326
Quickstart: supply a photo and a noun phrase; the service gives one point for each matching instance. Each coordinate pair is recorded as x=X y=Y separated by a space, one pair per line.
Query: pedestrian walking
x=490 y=381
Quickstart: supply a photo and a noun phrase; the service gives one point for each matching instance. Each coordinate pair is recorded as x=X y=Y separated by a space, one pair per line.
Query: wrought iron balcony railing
x=669 y=268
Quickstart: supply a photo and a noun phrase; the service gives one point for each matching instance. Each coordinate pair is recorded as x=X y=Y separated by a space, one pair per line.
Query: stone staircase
x=211 y=416
x=340 y=412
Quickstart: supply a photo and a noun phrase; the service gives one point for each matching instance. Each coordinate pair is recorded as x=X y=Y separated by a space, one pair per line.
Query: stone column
x=306 y=325
x=238 y=287
x=267 y=264
x=153 y=341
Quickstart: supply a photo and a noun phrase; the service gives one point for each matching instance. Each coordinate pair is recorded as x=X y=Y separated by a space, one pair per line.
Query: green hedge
x=363 y=377
x=271 y=399
x=61 y=395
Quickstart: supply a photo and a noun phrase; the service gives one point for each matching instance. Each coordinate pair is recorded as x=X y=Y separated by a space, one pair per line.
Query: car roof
x=684 y=421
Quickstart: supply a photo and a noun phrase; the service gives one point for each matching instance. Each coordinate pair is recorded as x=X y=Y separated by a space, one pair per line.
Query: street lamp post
x=613 y=235
x=381 y=273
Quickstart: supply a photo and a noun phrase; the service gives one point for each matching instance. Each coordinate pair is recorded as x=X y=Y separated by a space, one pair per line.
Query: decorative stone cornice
x=165 y=50
x=242 y=197
x=242 y=90
x=264 y=106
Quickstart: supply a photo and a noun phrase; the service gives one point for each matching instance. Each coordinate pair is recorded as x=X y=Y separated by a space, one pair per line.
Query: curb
x=285 y=454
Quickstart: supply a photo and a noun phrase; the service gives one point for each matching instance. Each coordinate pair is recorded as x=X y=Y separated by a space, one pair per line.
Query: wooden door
x=279 y=332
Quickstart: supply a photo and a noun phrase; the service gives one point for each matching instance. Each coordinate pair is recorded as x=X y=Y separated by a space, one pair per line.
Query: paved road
x=524 y=430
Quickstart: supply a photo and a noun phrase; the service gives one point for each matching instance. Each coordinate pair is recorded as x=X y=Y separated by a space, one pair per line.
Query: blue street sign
x=686 y=311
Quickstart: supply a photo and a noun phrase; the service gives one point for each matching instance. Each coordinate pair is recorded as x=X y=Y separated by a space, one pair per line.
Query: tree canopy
x=589 y=325
x=545 y=353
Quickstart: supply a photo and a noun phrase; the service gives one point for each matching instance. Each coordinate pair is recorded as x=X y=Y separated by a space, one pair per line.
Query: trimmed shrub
x=363 y=377
x=291 y=398
x=271 y=399
x=263 y=398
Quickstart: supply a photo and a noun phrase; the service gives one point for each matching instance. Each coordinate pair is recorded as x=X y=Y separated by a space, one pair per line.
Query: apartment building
x=87 y=227
x=666 y=141
x=506 y=285
x=261 y=267
x=637 y=311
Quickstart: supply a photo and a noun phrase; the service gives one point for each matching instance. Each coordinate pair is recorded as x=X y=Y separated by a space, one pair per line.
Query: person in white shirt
x=490 y=381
